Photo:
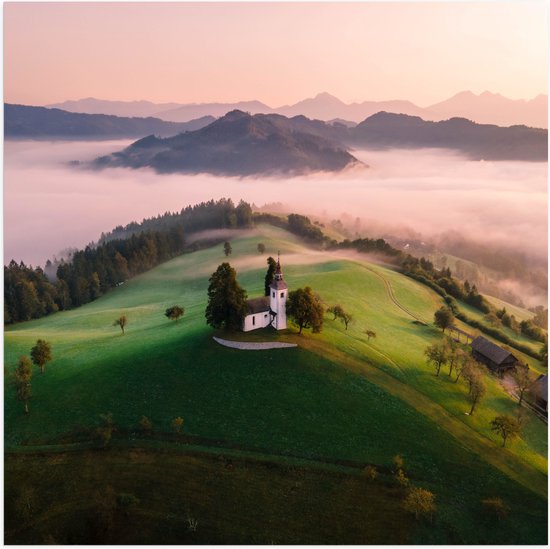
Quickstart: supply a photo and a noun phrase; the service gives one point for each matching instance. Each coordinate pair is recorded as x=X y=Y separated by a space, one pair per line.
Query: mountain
x=492 y=108
x=477 y=141
x=183 y=113
x=327 y=107
x=21 y=121
x=485 y=108
x=90 y=105
x=237 y=144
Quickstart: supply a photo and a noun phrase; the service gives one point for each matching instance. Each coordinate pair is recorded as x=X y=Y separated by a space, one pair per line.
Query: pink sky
x=276 y=53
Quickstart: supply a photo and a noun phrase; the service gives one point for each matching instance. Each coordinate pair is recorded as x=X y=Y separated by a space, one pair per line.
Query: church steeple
x=278 y=271
x=278 y=295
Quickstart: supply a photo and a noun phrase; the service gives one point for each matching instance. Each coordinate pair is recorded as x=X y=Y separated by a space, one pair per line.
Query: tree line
x=127 y=251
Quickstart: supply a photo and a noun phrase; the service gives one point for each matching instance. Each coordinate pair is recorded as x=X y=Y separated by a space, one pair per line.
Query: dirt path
x=391 y=295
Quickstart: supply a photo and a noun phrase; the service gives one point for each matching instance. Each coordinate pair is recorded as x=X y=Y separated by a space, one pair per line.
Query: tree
x=522 y=379
x=335 y=310
x=338 y=312
x=177 y=425
x=437 y=355
x=105 y=431
x=22 y=381
x=370 y=472
x=261 y=248
x=227 y=249
x=397 y=463
x=444 y=318
x=174 y=313
x=370 y=334
x=41 y=353
x=226 y=299
x=457 y=357
x=305 y=308
x=495 y=507
x=346 y=318
x=477 y=392
x=121 y=321
x=420 y=502
x=145 y=424
x=271 y=268
x=507 y=427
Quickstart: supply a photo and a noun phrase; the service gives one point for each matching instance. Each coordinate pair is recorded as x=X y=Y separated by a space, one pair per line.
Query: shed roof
x=489 y=350
x=258 y=305
x=541 y=387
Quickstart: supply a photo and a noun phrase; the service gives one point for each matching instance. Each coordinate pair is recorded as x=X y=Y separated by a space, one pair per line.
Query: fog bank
x=50 y=206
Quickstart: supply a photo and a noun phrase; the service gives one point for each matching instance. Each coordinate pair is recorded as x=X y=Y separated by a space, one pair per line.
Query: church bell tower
x=277 y=298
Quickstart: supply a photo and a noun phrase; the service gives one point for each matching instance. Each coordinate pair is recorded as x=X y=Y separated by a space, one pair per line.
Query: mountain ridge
x=484 y=108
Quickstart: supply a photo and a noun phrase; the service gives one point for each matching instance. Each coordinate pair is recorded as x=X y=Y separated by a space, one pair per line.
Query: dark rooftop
x=258 y=305
x=491 y=351
x=541 y=387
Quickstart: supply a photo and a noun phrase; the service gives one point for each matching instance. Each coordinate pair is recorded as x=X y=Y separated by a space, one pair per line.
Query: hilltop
x=336 y=403
x=237 y=144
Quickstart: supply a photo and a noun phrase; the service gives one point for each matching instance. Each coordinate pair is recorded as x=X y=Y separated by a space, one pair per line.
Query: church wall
x=255 y=321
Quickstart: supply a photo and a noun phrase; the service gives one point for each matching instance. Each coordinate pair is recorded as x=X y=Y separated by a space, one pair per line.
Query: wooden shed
x=498 y=360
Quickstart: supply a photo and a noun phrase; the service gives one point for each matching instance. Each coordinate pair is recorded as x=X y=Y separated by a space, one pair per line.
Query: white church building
x=269 y=310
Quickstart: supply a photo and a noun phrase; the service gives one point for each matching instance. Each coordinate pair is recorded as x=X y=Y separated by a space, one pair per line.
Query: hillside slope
x=236 y=144
x=24 y=122
x=337 y=396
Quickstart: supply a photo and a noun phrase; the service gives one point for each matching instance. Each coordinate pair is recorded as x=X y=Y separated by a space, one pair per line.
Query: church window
x=282 y=294
x=273 y=294
x=253 y=321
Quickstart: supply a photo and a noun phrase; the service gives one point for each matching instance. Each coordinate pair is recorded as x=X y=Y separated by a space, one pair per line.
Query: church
x=269 y=310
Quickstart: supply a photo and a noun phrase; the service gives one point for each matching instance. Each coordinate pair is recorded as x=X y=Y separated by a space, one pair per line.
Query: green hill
x=336 y=398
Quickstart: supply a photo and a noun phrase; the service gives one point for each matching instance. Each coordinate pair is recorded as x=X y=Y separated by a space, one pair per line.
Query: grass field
x=338 y=396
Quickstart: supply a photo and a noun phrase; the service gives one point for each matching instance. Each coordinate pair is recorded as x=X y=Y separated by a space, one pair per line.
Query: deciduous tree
x=22 y=381
x=370 y=334
x=41 y=353
x=121 y=321
x=174 y=313
x=437 y=355
x=227 y=249
x=335 y=310
x=444 y=318
x=305 y=308
x=261 y=248
x=523 y=380
x=177 y=425
x=477 y=392
x=420 y=502
x=507 y=427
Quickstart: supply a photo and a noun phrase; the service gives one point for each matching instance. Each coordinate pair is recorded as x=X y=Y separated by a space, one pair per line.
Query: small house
x=540 y=392
x=496 y=358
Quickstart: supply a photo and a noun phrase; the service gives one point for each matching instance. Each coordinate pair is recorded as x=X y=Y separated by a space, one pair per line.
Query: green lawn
x=338 y=396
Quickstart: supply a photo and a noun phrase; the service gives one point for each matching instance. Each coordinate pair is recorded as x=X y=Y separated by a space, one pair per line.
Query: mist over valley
x=410 y=195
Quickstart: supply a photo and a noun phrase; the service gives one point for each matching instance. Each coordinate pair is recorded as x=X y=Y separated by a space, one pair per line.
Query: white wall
x=255 y=321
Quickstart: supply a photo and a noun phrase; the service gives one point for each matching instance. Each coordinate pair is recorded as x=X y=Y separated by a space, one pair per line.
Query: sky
x=276 y=53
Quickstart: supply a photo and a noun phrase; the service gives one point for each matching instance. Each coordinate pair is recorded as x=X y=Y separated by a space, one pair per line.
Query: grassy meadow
x=336 y=398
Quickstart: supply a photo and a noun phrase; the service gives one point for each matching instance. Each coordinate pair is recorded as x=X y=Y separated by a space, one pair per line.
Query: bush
x=370 y=472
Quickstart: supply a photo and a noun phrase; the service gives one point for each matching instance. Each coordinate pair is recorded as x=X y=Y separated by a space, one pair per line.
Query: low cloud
x=50 y=205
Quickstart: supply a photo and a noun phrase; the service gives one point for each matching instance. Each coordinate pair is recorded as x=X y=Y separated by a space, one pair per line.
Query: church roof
x=258 y=305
